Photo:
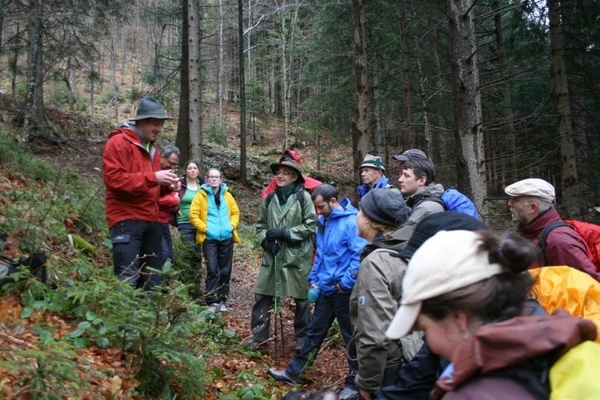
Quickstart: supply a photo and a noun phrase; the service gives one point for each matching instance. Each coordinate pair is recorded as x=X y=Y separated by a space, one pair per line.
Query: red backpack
x=590 y=233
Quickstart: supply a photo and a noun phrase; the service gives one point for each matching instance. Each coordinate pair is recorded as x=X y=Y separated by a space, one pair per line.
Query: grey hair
x=542 y=204
x=170 y=149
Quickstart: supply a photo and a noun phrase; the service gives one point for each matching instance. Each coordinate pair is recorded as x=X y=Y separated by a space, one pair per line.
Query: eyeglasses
x=214 y=177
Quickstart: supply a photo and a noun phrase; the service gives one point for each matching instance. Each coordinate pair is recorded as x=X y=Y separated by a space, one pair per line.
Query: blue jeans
x=218 y=255
x=136 y=246
x=326 y=309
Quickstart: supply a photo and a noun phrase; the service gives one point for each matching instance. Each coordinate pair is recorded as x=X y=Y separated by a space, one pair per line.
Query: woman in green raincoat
x=285 y=229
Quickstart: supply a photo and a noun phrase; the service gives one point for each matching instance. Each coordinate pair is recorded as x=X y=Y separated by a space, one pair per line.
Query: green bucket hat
x=149 y=107
x=373 y=162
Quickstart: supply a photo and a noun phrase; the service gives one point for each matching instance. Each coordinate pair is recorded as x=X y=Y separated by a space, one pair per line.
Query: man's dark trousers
x=141 y=240
x=326 y=309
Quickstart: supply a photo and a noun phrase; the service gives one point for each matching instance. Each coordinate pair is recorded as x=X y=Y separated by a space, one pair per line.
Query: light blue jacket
x=218 y=223
x=338 y=250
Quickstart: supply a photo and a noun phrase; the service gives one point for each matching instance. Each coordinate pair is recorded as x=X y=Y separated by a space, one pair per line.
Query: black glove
x=270 y=245
x=276 y=233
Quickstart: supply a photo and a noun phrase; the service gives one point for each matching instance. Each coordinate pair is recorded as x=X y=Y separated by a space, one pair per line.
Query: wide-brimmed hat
x=532 y=187
x=373 y=162
x=289 y=164
x=149 y=107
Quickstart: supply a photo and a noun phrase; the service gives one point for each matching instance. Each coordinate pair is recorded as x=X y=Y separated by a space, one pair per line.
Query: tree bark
x=570 y=178
x=467 y=100
x=362 y=123
x=421 y=79
x=242 y=80
x=183 y=125
x=113 y=71
x=34 y=109
x=195 y=80
x=409 y=128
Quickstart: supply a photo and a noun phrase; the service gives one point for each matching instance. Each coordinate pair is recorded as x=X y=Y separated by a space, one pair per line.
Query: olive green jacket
x=286 y=273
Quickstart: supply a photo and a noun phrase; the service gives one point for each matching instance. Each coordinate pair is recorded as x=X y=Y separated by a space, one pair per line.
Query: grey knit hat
x=385 y=207
x=149 y=107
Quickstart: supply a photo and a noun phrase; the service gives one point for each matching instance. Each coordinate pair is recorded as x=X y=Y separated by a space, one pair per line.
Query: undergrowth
x=165 y=336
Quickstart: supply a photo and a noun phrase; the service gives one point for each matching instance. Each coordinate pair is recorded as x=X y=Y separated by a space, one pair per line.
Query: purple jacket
x=564 y=246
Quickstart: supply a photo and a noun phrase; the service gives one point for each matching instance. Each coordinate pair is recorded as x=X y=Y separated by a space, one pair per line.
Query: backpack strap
x=435 y=199
x=544 y=235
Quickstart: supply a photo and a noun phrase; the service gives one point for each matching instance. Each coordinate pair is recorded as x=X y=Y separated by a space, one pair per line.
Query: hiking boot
x=213 y=307
x=223 y=308
x=349 y=394
x=281 y=376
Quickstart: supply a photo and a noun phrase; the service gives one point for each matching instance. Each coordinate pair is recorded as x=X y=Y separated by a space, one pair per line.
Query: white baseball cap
x=448 y=261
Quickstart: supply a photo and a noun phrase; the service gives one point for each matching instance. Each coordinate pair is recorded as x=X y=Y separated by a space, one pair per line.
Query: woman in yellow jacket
x=215 y=215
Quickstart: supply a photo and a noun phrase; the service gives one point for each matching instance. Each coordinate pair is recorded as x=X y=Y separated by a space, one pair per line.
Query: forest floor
x=82 y=152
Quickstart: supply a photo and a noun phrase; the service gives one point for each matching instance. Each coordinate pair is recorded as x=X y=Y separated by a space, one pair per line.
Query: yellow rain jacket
x=568 y=288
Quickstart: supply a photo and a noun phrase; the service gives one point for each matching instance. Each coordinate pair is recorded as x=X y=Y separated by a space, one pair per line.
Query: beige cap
x=448 y=261
x=532 y=187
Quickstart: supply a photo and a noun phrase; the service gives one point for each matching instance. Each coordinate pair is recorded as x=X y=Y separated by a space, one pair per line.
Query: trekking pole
x=277 y=309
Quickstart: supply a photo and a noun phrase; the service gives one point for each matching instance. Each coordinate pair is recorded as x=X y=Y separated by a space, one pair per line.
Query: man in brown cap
x=285 y=228
x=134 y=179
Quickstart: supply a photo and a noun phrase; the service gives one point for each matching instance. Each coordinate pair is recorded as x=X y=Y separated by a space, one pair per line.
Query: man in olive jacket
x=285 y=228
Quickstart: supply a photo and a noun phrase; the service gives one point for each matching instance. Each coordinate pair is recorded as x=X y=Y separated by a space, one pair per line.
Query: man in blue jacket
x=333 y=275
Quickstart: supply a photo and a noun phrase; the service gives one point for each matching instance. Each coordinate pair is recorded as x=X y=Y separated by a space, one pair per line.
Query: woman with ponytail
x=466 y=291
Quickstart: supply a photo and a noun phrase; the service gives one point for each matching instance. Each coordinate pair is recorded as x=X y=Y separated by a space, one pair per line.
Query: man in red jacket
x=132 y=173
x=531 y=204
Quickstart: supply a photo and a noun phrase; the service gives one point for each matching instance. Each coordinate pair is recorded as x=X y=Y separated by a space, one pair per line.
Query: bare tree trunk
x=14 y=64
x=92 y=88
x=570 y=179
x=113 y=70
x=406 y=81
x=220 y=70
x=507 y=166
x=362 y=123
x=70 y=82
x=242 y=80
x=467 y=100
x=421 y=78
x=123 y=53
x=183 y=125
x=287 y=42
x=2 y=11
x=195 y=80
x=34 y=111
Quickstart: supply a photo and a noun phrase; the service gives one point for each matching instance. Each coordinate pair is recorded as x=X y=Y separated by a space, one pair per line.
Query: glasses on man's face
x=214 y=177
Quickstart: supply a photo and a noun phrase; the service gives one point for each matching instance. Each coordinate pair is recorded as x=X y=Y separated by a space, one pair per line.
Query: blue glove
x=276 y=233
